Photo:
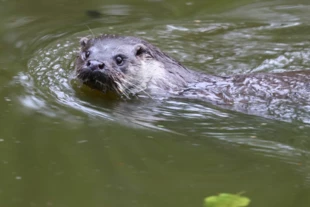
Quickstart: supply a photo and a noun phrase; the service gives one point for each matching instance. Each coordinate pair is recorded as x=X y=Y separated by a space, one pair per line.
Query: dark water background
x=62 y=145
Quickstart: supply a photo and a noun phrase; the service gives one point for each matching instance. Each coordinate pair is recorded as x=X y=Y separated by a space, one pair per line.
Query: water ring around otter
x=130 y=66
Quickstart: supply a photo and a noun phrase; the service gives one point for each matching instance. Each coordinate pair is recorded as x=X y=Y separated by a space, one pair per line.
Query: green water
x=64 y=145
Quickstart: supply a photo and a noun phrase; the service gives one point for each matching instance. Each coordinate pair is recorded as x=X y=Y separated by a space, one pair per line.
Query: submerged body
x=129 y=66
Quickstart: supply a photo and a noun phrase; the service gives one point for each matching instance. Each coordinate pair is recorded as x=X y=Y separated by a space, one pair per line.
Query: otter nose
x=95 y=65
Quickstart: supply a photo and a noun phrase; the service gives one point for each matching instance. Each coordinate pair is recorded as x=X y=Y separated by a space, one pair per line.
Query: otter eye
x=119 y=60
x=87 y=54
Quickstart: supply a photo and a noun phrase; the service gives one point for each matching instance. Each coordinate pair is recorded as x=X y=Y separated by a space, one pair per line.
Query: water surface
x=65 y=145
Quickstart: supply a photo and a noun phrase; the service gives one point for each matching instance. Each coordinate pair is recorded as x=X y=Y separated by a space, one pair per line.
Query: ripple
x=47 y=80
x=50 y=88
x=230 y=48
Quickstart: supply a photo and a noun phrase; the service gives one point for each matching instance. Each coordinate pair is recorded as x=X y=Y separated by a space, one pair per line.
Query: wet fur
x=153 y=72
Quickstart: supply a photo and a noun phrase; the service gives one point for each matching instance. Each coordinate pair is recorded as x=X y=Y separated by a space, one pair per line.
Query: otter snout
x=95 y=65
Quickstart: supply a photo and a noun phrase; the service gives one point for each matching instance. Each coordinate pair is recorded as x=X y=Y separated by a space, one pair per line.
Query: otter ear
x=140 y=50
x=83 y=41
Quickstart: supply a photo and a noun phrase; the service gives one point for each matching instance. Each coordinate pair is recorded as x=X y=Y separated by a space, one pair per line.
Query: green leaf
x=226 y=200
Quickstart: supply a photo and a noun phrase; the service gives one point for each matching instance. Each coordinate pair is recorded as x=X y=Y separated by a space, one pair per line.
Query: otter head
x=124 y=65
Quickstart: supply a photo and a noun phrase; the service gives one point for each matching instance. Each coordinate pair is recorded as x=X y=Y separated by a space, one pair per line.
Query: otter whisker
x=125 y=90
x=135 y=86
x=90 y=31
x=122 y=89
x=118 y=86
x=140 y=89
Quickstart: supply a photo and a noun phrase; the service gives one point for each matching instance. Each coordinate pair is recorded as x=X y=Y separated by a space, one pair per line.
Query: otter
x=130 y=66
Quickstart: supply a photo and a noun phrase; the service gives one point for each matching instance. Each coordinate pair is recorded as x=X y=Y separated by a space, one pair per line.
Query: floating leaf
x=226 y=200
